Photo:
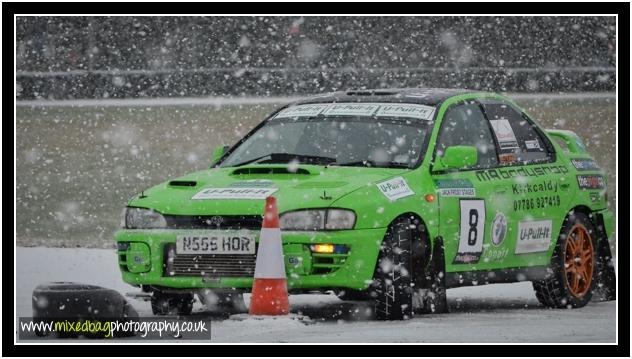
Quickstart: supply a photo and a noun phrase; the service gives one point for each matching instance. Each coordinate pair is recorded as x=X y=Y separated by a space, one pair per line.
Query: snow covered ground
x=502 y=313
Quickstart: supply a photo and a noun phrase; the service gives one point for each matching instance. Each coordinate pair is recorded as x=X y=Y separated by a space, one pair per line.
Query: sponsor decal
x=395 y=188
x=537 y=202
x=532 y=145
x=508 y=145
x=456 y=188
x=472 y=231
x=406 y=110
x=421 y=112
x=591 y=182
x=253 y=183
x=595 y=196
x=584 y=164
x=495 y=254
x=351 y=109
x=534 y=236
x=499 y=229
x=528 y=188
x=505 y=158
x=302 y=111
x=531 y=171
x=235 y=193
x=504 y=134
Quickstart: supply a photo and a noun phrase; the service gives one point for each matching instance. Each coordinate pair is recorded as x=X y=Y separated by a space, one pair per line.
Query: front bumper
x=142 y=260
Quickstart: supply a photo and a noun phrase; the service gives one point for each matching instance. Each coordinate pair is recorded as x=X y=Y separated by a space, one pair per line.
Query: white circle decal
x=499 y=229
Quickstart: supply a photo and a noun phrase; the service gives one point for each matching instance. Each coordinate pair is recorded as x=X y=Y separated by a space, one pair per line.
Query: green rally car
x=388 y=195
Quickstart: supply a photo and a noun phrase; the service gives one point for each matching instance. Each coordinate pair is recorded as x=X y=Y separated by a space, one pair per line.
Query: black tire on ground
x=434 y=299
x=76 y=301
x=171 y=303
x=392 y=289
x=554 y=290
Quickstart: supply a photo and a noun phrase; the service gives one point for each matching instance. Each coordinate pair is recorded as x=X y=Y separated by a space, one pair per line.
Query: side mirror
x=218 y=152
x=457 y=157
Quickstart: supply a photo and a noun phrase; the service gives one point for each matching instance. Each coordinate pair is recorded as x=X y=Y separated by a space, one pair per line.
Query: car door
x=468 y=207
x=536 y=183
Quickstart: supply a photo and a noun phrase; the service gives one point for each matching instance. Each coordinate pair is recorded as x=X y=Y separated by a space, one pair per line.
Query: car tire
x=430 y=296
x=391 y=289
x=571 y=275
x=171 y=304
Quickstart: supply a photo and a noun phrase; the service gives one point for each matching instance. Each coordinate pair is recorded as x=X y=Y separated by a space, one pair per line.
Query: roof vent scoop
x=370 y=93
x=182 y=183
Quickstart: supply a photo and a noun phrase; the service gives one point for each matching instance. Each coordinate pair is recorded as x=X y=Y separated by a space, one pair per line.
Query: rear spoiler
x=569 y=139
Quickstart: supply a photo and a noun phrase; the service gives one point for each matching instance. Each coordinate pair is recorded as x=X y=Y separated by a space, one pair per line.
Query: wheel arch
x=422 y=245
x=584 y=209
x=597 y=221
x=421 y=228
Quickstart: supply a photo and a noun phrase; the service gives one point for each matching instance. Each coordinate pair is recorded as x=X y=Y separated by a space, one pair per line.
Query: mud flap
x=436 y=300
x=606 y=286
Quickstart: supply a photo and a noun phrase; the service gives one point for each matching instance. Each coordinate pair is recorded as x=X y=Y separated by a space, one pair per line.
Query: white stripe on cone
x=270 y=263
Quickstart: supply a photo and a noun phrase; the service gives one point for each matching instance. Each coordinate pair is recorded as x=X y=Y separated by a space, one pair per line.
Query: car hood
x=306 y=186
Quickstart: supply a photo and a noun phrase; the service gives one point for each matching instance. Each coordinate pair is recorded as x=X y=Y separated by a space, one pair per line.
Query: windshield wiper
x=288 y=157
x=371 y=163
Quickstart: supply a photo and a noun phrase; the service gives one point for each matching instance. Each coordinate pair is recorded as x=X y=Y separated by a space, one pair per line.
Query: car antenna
x=142 y=194
x=324 y=196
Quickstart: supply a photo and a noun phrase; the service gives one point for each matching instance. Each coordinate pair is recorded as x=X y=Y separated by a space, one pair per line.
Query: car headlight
x=142 y=218
x=317 y=219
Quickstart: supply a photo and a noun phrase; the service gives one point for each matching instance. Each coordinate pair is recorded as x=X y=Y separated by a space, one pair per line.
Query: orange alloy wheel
x=578 y=261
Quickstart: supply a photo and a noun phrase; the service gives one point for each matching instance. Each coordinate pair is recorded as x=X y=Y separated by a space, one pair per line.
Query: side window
x=518 y=139
x=466 y=125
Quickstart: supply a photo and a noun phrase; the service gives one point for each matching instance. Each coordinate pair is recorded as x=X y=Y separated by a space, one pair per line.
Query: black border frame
x=623 y=41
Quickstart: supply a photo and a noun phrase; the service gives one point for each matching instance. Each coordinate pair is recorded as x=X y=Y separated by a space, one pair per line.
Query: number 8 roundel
x=472 y=231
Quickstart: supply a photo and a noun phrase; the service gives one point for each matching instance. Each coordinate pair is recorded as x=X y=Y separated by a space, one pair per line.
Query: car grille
x=214 y=222
x=208 y=265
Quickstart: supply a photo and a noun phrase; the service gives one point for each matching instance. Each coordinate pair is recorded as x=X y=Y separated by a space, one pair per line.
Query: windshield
x=372 y=135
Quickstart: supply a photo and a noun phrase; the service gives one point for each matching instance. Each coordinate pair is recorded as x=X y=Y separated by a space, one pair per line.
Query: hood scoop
x=268 y=171
x=182 y=183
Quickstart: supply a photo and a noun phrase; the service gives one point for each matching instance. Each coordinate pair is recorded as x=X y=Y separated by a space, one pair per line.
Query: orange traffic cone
x=269 y=290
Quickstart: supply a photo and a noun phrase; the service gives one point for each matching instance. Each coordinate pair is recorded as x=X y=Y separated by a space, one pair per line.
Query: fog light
x=329 y=248
x=322 y=248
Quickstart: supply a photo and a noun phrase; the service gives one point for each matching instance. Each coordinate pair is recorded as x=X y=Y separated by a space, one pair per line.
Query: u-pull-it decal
x=534 y=236
x=235 y=193
x=395 y=188
x=471 y=231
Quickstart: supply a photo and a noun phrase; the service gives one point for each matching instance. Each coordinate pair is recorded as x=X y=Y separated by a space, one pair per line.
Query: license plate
x=216 y=243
